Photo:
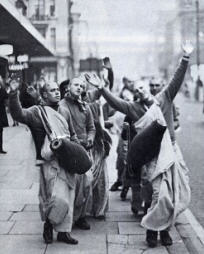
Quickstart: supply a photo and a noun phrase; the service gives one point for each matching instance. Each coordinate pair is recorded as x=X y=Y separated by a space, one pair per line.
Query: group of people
x=162 y=183
x=67 y=198
x=76 y=111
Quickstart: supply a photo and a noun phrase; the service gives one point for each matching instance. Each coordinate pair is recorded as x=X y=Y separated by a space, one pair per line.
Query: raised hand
x=94 y=80
x=14 y=85
x=32 y=92
x=107 y=63
x=187 y=47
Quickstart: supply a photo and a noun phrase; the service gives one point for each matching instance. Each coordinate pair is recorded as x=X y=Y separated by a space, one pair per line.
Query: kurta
x=84 y=126
x=55 y=183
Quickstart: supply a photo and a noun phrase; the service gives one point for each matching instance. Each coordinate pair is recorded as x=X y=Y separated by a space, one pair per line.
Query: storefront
x=27 y=42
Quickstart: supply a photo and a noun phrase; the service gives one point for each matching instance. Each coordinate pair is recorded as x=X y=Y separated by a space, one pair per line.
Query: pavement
x=119 y=232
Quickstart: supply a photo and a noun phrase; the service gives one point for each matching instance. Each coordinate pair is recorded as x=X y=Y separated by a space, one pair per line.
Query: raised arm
x=177 y=80
x=114 y=101
x=18 y=113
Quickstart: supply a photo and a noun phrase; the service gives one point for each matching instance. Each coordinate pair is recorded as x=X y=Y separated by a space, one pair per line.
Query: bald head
x=77 y=87
x=51 y=92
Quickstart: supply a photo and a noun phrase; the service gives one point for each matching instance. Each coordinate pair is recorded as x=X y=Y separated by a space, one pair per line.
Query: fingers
x=87 y=76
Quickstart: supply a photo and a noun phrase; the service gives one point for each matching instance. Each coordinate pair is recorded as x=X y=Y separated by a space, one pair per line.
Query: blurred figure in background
x=3 y=115
x=64 y=88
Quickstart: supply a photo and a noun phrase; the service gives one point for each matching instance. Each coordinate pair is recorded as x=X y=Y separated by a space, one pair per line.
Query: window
x=39 y=9
x=53 y=37
x=52 y=8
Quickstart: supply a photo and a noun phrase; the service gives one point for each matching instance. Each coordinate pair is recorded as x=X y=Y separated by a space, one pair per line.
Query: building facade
x=51 y=18
x=18 y=32
x=185 y=23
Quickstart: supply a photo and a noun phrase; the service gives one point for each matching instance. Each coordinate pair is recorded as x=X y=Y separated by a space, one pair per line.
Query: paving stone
x=27 y=228
x=31 y=208
x=130 y=228
x=193 y=245
x=21 y=245
x=5 y=227
x=181 y=220
x=100 y=227
x=116 y=205
x=117 y=239
x=17 y=185
x=137 y=240
x=190 y=239
x=18 y=197
x=123 y=249
x=184 y=230
x=157 y=250
x=121 y=216
x=11 y=207
x=177 y=247
x=26 y=216
x=175 y=235
x=88 y=244
x=4 y=216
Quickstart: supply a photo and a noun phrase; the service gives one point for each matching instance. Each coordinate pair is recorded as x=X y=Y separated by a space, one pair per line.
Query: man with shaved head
x=56 y=184
x=170 y=191
x=84 y=127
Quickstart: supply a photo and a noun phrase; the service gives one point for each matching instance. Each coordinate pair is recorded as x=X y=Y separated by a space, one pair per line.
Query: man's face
x=53 y=93
x=155 y=88
x=127 y=95
x=142 y=92
x=76 y=88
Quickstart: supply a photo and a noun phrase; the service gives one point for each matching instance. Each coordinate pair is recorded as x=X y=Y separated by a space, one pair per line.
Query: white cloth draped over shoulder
x=57 y=182
x=168 y=175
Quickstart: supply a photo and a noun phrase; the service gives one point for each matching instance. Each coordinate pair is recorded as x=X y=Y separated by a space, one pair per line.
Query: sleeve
x=176 y=82
x=17 y=112
x=111 y=78
x=66 y=114
x=91 y=130
x=116 y=102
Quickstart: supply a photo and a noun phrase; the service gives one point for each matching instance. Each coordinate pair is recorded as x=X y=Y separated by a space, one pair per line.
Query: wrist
x=100 y=87
x=186 y=57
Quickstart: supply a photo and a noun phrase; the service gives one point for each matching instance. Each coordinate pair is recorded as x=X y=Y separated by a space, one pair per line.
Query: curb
x=199 y=230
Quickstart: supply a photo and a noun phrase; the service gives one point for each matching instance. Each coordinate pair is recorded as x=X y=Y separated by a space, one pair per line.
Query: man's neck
x=74 y=97
x=53 y=105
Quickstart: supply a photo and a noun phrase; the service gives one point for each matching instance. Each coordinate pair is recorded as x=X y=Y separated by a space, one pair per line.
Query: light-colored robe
x=168 y=175
x=58 y=183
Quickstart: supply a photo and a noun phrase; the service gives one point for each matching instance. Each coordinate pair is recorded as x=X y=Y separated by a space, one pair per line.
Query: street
x=120 y=232
x=190 y=140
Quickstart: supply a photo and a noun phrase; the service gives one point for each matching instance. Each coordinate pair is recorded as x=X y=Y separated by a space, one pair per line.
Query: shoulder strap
x=45 y=122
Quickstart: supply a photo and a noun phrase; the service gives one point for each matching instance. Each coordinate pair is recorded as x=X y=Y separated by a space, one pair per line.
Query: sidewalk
x=120 y=232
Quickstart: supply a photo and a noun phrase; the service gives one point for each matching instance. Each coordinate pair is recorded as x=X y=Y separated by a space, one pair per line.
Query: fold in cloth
x=168 y=175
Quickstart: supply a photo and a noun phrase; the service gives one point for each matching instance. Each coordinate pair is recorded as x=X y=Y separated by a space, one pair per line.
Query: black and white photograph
x=102 y=126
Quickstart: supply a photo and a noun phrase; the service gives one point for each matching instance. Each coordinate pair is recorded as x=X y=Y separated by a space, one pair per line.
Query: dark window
x=52 y=8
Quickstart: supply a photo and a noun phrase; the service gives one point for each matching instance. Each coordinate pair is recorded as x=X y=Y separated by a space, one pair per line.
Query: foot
x=3 y=152
x=115 y=186
x=151 y=238
x=134 y=211
x=136 y=201
x=100 y=217
x=123 y=193
x=82 y=224
x=165 y=238
x=146 y=207
x=66 y=238
x=48 y=232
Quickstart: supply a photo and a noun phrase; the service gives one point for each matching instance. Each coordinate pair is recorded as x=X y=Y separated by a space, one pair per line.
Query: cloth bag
x=72 y=157
x=146 y=145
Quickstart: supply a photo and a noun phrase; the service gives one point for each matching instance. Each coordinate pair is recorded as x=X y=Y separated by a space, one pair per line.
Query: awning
x=17 y=30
